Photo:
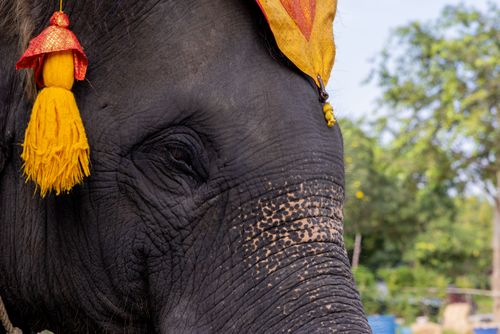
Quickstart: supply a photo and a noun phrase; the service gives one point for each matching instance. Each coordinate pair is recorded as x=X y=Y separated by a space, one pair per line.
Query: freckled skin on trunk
x=281 y=267
x=215 y=198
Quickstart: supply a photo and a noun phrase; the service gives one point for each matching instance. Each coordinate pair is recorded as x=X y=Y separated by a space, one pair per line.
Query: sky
x=361 y=29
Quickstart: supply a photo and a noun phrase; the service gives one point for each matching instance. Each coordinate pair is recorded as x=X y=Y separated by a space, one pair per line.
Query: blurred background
x=416 y=88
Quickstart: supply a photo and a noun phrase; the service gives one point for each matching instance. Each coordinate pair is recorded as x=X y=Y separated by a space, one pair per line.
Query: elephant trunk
x=296 y=254
x=283 y=268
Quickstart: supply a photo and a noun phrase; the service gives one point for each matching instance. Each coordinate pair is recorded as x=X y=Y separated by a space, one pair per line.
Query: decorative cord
x=4 y=318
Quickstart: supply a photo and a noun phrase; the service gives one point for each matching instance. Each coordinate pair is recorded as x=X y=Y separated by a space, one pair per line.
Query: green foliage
x=407 y=286
x=406 y=291
x=441 y=83
x=419 y=179
x=461 y=248
x=371 y=297
x=386 y=213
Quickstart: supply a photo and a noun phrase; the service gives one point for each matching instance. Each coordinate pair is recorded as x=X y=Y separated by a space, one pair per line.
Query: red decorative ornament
x=54 y=38
x=303 y=30
x=56 y=152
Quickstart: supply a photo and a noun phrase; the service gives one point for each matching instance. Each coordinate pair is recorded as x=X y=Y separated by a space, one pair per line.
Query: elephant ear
x=7 y=48
x=303 y=30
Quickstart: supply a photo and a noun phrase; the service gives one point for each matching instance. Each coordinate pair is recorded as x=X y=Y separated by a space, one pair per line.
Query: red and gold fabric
x=56 y=37
x=303 y=30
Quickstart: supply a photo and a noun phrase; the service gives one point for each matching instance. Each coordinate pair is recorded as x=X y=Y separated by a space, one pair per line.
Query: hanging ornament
x=55 y=148
x=303 y=30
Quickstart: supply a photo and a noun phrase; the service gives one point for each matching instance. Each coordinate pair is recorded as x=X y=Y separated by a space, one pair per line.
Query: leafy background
x=421 y=170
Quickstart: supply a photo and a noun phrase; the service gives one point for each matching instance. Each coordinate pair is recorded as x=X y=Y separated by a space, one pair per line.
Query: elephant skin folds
x=214 y=201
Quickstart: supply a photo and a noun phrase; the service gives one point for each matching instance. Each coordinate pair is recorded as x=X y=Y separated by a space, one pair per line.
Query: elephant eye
x=180 y=155
x=176 y=152
x=187 y=157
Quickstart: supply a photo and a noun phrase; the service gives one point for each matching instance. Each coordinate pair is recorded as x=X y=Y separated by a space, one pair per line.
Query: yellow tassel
x=329 y=117
x=55 y=149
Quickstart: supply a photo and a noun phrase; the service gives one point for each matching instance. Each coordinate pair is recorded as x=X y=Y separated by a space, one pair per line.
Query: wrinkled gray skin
x=215 y=200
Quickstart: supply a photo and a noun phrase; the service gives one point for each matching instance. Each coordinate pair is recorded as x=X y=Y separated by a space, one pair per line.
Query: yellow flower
x=360 y=194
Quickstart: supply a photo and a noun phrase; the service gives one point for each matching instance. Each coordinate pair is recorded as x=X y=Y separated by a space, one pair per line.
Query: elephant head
x=215 y=198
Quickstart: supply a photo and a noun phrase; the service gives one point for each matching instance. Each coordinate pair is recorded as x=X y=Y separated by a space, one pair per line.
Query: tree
x=457 y=247
x=410 y=226
x=442 y=81
x=376 y=203
x=385 y=208
x=359 y=156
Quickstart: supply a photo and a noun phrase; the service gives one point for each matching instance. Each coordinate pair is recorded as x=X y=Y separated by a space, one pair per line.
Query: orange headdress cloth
x=303 y=30
x=55 y=148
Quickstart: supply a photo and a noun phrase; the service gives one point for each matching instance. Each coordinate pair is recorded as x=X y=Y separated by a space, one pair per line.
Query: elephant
x=215 y=199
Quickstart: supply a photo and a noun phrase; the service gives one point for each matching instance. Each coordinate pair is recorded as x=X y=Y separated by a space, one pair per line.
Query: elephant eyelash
x=180 y=155
x=178 y=150
x=181 y=158
x=185 y=158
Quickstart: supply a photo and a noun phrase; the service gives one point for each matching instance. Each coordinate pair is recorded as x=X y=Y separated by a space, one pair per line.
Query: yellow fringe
x=55 y=149
x=329 y=116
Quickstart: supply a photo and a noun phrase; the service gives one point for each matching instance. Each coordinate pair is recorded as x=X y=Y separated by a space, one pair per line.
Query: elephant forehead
x=181 y=42
x=208 y=61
